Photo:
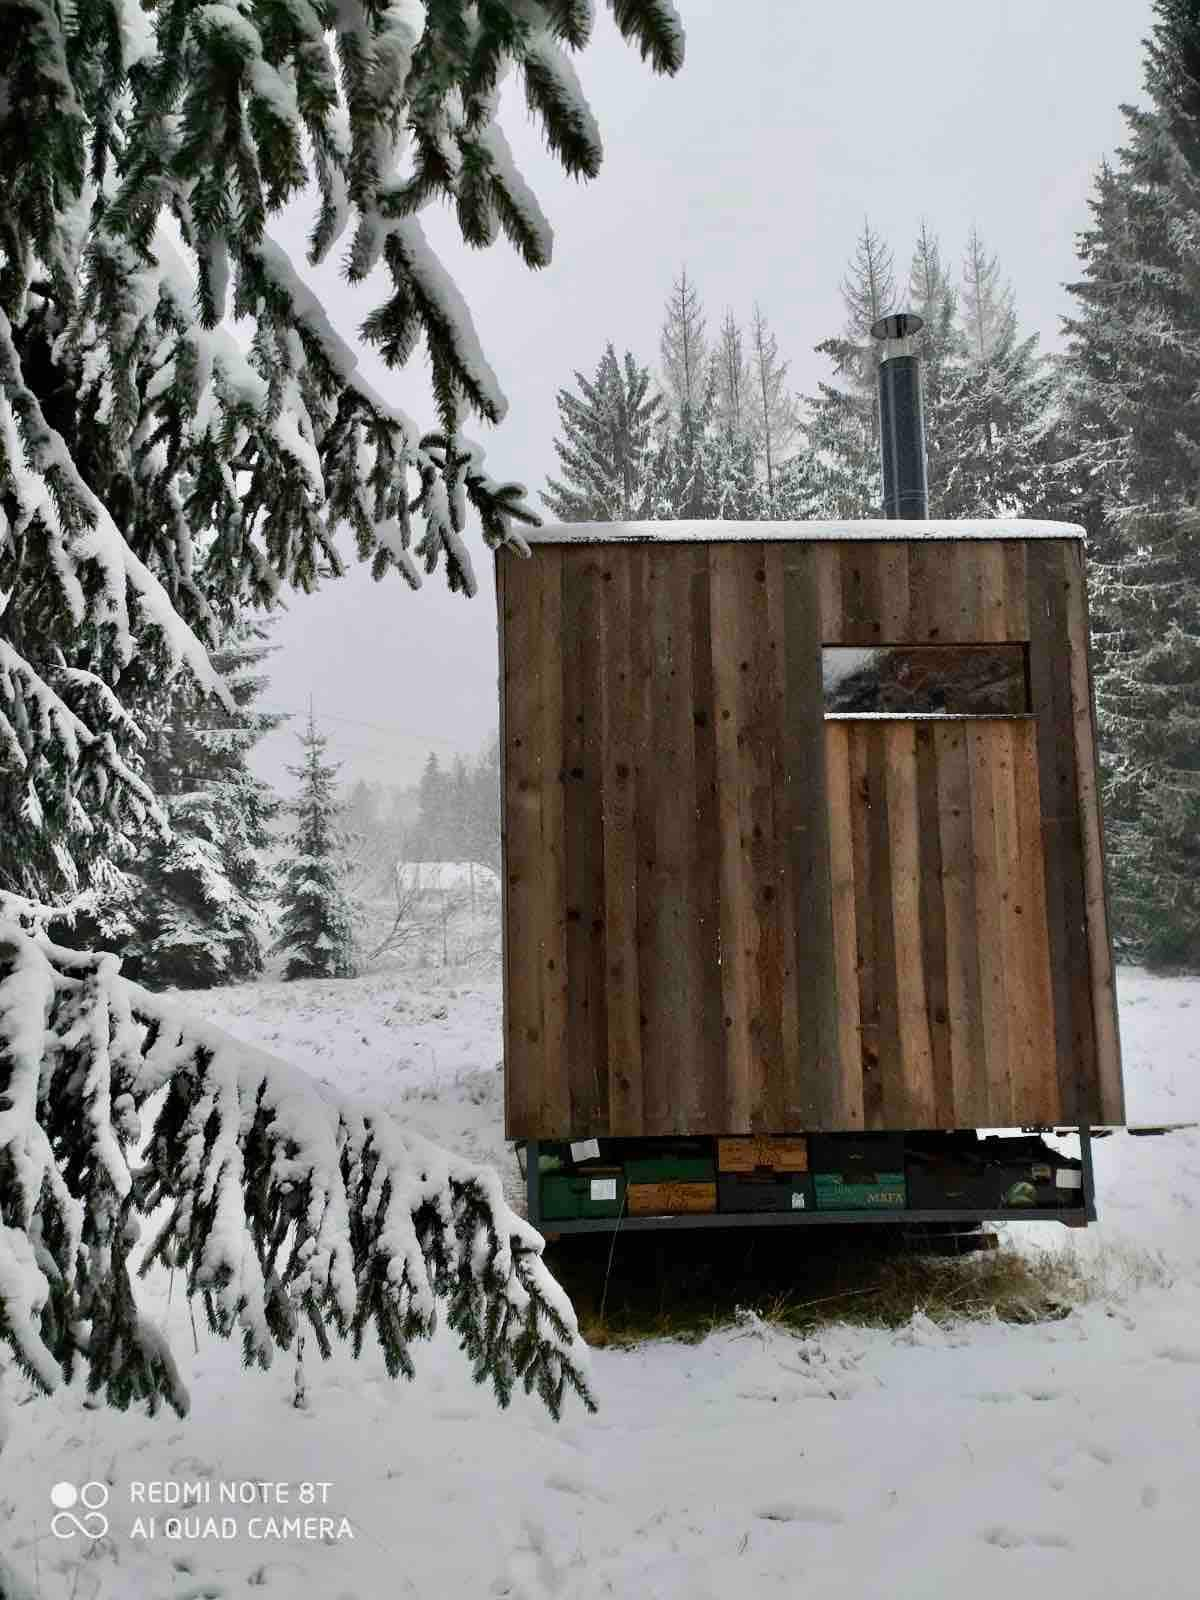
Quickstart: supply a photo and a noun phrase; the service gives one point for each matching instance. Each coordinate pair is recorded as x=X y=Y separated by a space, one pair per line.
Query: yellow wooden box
x=779 y=1154
x=669 y=1198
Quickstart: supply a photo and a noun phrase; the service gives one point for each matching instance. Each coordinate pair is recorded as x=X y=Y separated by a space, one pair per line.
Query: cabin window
x=986 y=680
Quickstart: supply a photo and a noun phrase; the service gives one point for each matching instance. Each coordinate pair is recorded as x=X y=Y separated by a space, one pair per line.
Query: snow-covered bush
x=275 y=1198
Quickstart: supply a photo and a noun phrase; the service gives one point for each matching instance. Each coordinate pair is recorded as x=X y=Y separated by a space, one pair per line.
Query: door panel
x=947 y=1016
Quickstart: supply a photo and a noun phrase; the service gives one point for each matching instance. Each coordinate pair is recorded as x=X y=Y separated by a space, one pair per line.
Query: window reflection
x=922 y=680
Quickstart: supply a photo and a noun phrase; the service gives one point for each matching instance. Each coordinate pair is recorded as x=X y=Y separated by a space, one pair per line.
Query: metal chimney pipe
x=901 y=421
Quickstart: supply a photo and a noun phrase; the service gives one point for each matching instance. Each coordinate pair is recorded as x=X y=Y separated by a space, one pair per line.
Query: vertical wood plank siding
x=725 y=914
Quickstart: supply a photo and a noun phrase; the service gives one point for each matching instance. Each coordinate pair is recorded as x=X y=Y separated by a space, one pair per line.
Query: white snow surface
x=1058 y=1460
x=716 y=532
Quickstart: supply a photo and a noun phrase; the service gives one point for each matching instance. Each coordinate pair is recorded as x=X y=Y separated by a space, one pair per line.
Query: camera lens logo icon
x=66 y=1522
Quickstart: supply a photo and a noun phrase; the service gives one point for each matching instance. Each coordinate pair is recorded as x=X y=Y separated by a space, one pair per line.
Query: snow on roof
x=712 y=532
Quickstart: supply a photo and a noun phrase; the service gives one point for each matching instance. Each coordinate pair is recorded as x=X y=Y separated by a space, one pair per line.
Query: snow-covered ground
x=1061 y=1459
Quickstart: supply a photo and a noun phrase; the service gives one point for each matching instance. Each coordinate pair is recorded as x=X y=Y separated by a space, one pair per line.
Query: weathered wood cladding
x=942 y=900
x=914 y=592
x=727 y=914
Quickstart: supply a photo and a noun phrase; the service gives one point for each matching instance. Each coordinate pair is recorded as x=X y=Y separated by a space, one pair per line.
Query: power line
x=392 y=728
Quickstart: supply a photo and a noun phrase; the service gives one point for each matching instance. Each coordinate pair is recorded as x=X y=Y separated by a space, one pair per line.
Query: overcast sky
x=789 y=122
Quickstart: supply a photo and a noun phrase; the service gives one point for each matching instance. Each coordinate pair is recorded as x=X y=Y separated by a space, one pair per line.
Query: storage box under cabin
x=801 y=834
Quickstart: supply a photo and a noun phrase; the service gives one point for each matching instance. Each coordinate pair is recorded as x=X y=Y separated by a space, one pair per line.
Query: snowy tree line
x=458 y=811
x=451 y=814
x=718 y=430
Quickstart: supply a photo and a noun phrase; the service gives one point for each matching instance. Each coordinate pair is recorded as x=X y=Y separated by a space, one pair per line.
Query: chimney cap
x=897 y=325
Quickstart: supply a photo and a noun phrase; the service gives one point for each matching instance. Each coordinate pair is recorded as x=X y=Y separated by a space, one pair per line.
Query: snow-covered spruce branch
x=154 y=474
x=274 y=1196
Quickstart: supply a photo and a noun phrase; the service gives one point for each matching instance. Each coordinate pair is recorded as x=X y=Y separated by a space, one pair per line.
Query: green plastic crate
x=880 y=1191
x=666 y=1168
x=596 y=1192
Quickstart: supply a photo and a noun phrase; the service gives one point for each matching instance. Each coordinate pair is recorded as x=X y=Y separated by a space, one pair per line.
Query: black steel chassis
x=1073 y=1217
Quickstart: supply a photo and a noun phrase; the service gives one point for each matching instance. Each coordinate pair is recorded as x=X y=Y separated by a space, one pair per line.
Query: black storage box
x=764 y=1191
x=996 y=1174
x=852 y=1153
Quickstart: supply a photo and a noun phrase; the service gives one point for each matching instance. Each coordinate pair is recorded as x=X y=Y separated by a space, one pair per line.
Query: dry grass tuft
x=684 y=1288
x=1003 y=1285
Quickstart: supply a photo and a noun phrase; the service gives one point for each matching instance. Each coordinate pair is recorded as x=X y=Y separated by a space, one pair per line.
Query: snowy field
x=991 y=1461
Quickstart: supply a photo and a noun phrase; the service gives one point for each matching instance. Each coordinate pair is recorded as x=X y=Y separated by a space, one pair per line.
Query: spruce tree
x=484 y=821
x=842 y=421
x=774 y=411
x=804 y=491
x=989 y=320
x=1132 y=372
x=679 y=487
x=427 y=839
x=316 y=920
x=684 y=455
x=726 y=462
x=608 y=445
x=731 y=374
x=842 y=434
x=991 y=403
x=931 y=295
x=728 y=448
x=1009 y=446
x=683 y=346
x=199 y=911
x=1134 y=344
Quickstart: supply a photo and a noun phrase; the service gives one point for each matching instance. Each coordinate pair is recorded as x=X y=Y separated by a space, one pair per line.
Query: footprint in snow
x=775 y=1393
x=532 y=1568
x=1188 y=1355
x=1079 y=1463
x=791 y=1511
x=1005 y=1538
x=568 y=1483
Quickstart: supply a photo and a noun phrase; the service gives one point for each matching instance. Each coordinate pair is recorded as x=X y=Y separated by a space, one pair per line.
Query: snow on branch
x=75 y=519
x=159 y=469
x=282 y=1200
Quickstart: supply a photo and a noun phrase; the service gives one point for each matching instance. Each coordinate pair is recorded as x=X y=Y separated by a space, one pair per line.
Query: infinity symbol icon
x=92 y=1495
x=93 y=1525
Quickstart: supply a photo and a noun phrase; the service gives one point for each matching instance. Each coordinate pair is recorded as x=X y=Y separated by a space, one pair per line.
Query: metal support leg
x=533 y=1185
x=1089 y=1176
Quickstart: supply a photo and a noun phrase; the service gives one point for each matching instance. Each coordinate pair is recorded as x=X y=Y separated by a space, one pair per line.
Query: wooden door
x=940 y=924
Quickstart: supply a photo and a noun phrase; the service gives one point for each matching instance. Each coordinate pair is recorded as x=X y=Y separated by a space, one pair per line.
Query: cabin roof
x=713 y=532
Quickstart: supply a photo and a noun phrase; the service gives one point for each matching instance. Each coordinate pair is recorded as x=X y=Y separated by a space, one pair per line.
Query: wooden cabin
x=801 y=831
